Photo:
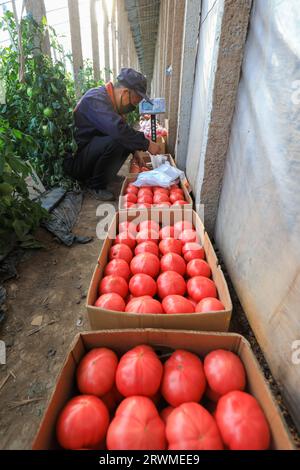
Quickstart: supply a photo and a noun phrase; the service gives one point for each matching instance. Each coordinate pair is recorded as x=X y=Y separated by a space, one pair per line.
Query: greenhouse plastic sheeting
x=258 y=224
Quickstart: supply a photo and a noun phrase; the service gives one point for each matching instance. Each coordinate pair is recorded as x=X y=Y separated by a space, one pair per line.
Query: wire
x=209 y=11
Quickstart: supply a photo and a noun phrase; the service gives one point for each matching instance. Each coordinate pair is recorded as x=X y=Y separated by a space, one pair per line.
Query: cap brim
x=146 y=97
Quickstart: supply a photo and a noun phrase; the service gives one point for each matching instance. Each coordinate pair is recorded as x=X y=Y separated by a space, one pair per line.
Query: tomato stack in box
x=119 y=390
x=176 y=196
x=158 y=270
x=137 y=402
x=155 y=270
x=145 y=197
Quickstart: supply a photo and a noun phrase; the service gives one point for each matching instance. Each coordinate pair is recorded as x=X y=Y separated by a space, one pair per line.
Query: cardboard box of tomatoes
x=157 y=279
x=219 y=392
x=154 y=197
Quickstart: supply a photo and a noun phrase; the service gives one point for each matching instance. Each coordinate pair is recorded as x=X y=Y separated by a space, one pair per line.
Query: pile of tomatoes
x=158 y=270
x=136 y=168
x=153 y=196
x=139 y=403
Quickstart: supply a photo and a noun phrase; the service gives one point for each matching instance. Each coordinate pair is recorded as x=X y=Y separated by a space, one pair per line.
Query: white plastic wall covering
x=188 y=65
x=258 y=222
x=211 y=20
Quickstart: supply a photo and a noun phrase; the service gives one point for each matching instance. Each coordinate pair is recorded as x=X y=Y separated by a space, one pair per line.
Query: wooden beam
x=106 y=41
x=114 y=42
x=38 y=11
x=95 y=39
x=75 y=39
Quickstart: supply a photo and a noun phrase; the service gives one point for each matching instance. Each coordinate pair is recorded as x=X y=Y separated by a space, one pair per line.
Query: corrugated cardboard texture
x=200 y=343
x=132 y=178
x=108 y=319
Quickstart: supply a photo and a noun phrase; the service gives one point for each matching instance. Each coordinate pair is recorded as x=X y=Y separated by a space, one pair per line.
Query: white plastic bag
x=164 y=176
x=158 y=160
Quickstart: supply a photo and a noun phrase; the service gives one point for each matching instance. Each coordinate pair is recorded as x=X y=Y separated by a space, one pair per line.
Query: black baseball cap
x=134 y=80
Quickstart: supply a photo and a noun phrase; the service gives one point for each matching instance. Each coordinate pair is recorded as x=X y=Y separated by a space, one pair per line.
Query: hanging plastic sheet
x=258 y=223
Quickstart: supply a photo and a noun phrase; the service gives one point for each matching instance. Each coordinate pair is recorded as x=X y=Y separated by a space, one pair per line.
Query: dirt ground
x=53 y=283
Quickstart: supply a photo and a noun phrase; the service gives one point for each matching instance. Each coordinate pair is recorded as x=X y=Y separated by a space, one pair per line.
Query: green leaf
x=17 y=134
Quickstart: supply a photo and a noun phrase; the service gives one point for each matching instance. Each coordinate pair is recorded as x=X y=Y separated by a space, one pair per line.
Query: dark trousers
x=97 y=163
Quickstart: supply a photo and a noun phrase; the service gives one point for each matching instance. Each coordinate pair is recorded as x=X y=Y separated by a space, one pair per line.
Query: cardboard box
x=148 y=163
x=132 y=178
x=107 y=319
x=196 y=342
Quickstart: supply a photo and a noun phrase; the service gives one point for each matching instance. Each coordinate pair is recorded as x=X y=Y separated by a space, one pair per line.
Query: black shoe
x=101 y=194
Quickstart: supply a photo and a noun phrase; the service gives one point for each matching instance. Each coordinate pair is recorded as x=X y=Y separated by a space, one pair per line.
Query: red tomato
x=169 y=283
x=132 y=189
x=144 y=168
x=113 y=284
x=177 y=191
x=118 y=267
x=166 y=232
x=224 y=372
x=146 y=235
x=145 y=192
x=180 y=203
x=121 y=251
x=165 y=413
x=191 y=427
x=160 y=189
x=139 y=372
x=182 y=225
x=188 y=236
x=142 y=284
x=143 y=205
x=147 y=247
x=173 y=262
x=145 y=263
x=127 y=205
x=241 y=422
x=149 y=225
x=177 y=304
x=126 y=238
x=199 y=287
x=96 y=372
x=193 y=251
x=193 y=302
x=174 y=186
x=144 y=304
x=126 y=226
x=163 y=204
x=160 y=197
x=136 y=426
x=175 y=196
x=112 y=399
x=130 y=197
x=170 y=245
x=83 y=423
x=198 y=267
x=156 y=398
x=111 y=302
x=183 y=379
x=209 y=304
x=145 y=199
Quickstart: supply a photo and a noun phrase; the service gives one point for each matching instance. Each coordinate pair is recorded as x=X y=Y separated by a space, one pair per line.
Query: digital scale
x=157 y=106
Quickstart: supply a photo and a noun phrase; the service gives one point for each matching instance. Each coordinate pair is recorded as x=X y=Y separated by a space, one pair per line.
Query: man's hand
x=139 y=158
x=154 y=148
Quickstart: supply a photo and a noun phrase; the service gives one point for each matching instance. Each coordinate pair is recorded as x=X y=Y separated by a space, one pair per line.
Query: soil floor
x=53 y=284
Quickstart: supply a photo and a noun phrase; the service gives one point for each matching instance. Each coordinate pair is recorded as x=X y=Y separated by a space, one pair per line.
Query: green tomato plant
x=18 y=214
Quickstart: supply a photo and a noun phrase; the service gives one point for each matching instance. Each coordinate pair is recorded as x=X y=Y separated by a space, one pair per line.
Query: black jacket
x=95 y=116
